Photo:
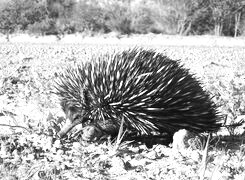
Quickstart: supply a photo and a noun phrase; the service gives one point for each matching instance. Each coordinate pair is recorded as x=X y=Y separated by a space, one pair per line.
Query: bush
x=45 y=27
x=155 y=17
x=119 y=17
x=38 y=27
x=88 y=17
x=185 y=17
x=142 y=20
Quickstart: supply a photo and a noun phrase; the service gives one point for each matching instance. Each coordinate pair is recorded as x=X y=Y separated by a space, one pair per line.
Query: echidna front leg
x=67 y=128
x=99 y=131
x=74 y=115
x=92 y=130
x=92 y=133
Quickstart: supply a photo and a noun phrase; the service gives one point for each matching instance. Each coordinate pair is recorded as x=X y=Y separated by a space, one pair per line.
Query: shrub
x=142 y=20
x=119 y=17
x=89 y=16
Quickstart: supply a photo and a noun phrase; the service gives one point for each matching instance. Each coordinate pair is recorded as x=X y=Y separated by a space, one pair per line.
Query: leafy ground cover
x=30 y=116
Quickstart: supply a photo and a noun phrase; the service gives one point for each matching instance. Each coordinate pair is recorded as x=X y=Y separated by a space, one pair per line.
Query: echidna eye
x=72 y=109
x=87 y=121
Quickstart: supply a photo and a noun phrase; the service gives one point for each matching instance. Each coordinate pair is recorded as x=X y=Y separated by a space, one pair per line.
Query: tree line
x=183 y=17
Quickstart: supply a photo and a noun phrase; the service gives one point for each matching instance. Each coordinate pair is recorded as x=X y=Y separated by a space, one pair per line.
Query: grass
x=27 y=73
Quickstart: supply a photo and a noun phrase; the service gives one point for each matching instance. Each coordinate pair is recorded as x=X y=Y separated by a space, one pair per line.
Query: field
x=29 y=112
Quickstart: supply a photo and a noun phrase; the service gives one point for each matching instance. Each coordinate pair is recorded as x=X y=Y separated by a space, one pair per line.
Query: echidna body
x=151 y=92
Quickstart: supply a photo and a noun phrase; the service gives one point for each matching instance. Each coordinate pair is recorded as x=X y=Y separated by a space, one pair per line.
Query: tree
x=60 y=13
x=18 y=14
x=184 y=13
x=238 y=7
x=200 y=18
x=90 y=16
x=32 y=12
x=221 y=11
x=9 y=16
x=227 y=16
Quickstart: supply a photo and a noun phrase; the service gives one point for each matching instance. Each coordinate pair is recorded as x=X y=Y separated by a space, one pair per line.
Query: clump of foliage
x=183 y=17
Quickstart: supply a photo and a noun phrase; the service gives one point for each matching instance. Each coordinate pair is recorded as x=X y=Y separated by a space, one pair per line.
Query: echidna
x=152 y=93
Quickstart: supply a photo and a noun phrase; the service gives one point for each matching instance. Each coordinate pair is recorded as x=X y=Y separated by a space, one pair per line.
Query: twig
x=16 y=127
x=204 y=159
x=120 y=134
